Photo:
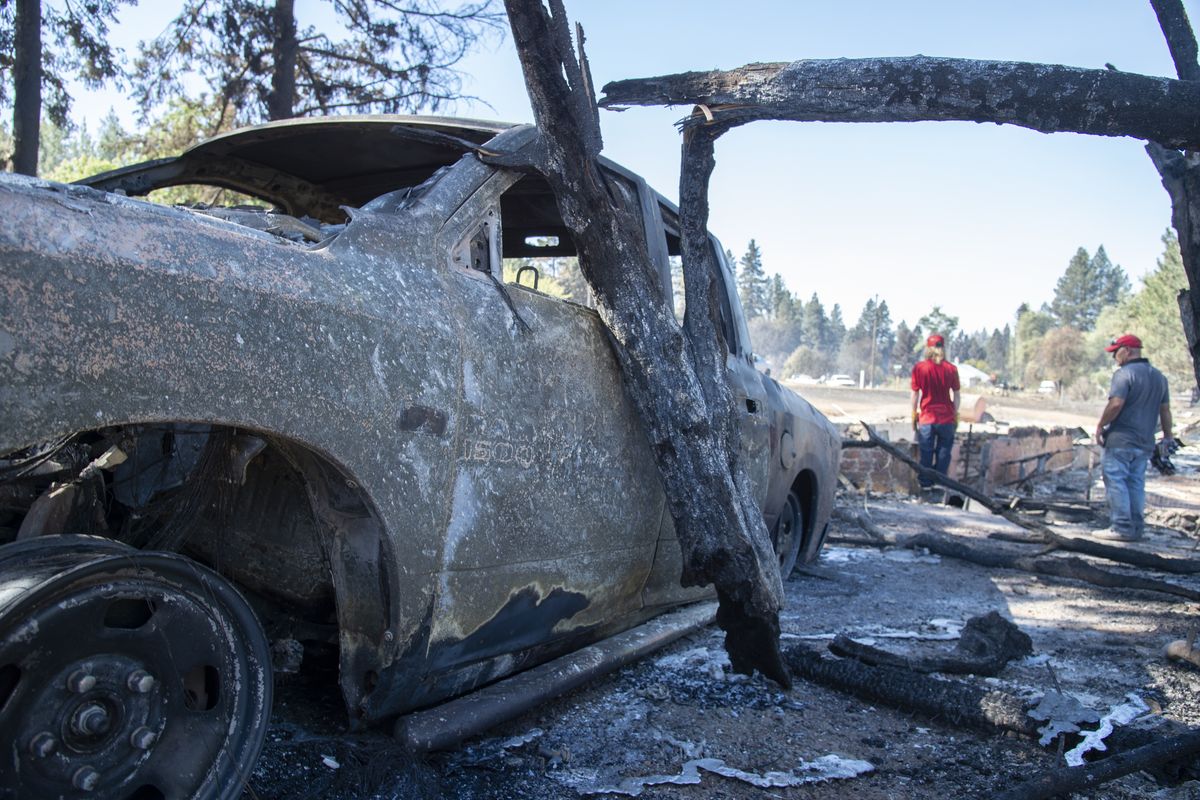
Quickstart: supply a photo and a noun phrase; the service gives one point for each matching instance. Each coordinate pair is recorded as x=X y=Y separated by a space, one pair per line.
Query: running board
x=446 y=725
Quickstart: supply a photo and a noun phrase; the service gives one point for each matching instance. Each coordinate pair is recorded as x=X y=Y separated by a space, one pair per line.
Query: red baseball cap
x=935 y=340
x=1125 y=340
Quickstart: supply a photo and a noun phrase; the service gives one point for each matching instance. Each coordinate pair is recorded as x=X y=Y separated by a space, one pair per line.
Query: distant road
x=884 y=405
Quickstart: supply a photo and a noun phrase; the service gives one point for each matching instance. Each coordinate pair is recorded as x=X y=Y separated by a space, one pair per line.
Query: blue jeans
x=1124 y=471
x=935 y=443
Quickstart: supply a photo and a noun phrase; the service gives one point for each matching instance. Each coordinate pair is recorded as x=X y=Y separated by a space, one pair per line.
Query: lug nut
x=91 y=720
x=86 y=778
x=43 y=744
x=143 y=738
x=80 y=682
x=140 y=681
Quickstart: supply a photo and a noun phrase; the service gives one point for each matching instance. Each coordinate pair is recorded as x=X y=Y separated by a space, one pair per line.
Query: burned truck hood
x=313 y=167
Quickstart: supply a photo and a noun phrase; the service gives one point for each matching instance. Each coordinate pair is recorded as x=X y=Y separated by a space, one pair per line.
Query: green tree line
x=1062 y=340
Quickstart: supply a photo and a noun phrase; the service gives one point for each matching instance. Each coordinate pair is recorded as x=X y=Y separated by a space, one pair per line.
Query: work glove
x=1161 y=458
x=1167 y=447
x=916 y=416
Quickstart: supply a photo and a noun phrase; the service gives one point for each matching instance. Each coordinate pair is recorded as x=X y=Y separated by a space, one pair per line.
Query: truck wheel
x=126 y=674
x=810 y=549
x=787 y=534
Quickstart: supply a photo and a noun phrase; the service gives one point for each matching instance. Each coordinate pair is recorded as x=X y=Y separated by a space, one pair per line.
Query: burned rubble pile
x=1054 y=499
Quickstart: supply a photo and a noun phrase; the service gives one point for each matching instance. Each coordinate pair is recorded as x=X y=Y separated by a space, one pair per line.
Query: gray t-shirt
x=1144 y=389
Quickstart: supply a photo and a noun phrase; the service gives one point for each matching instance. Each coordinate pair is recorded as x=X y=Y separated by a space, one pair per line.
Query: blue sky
x=974 y=218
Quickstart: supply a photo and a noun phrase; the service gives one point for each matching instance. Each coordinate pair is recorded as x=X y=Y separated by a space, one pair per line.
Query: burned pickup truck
x=321 y=427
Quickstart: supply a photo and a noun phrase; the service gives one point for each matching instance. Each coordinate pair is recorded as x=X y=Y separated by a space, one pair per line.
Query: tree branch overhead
x=1042 y=97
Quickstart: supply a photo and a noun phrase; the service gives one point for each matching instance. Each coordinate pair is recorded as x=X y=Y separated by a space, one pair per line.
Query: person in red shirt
x=935 y=399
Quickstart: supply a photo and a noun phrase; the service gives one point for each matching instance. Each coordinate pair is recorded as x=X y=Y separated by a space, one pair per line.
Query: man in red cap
x=1138 y=398
x=935 y=399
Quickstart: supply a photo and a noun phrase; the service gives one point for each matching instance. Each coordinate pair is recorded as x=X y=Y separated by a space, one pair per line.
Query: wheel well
x=805 y=488
x=277 y=518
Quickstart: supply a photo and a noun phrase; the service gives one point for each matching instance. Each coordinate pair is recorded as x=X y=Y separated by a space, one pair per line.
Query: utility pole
x=874 y=325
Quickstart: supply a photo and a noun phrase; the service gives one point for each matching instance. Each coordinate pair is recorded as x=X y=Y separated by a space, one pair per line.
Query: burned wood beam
x=1065 y=780
x=1042 y=97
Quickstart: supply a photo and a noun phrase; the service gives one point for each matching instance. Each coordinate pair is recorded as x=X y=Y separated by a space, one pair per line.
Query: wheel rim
x=787 y=535
x=126 y=674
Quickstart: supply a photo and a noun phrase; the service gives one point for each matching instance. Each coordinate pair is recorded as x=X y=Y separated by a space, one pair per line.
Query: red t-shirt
x=934 y=382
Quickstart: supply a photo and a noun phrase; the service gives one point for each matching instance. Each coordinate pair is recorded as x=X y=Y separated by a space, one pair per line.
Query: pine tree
x=1088 y=285
x=260 y=63
x=997 y=351
x=869 y=343
x=1154 y=313
x=41 y=47
x=752 y=282
x=906 y=348
x=835 y=331
x=1112 y=282
x=813 y=324
x=782 y=305
x=112 y=141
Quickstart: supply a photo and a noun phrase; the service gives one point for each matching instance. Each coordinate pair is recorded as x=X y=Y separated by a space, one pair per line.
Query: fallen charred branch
x=996 y=558
x=987 y=644
x=1083 y=778
x=1123 y=555
x=955 y=702
x=1072 y=568
x=968 y=706
x=875 y=440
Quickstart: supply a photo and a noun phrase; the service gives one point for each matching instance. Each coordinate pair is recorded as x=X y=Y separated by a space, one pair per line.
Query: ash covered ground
x=681 y=715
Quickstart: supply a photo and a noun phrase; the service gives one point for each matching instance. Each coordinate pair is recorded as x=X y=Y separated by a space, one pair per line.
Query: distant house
x=969 y=376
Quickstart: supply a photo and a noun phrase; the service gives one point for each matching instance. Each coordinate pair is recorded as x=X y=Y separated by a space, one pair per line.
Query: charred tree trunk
x=1180 y=174
x=281 y=100
x=27 y=85
x=675 y=380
